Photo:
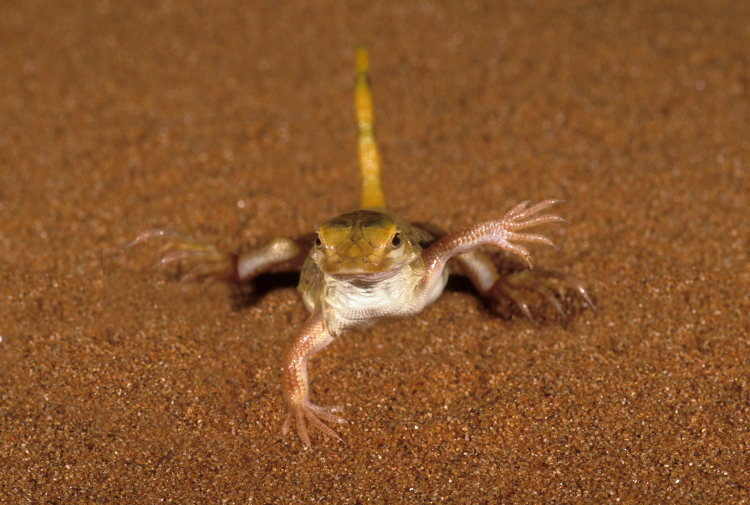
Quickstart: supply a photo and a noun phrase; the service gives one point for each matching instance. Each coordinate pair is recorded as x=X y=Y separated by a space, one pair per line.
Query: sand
x=232 y=122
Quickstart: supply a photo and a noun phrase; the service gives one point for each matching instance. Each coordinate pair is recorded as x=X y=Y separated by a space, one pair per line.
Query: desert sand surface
x=233 y=122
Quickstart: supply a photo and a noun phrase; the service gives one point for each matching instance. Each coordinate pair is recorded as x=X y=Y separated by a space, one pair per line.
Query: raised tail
x=369 y=158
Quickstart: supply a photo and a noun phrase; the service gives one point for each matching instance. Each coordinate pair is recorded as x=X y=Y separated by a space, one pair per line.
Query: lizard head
x=364 y=242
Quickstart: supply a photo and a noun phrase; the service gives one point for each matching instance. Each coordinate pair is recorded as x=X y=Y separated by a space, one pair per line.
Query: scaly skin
x=370 y=264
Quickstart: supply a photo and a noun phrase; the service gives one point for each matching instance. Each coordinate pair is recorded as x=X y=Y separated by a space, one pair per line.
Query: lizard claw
x=308 y=415
x=552 y=286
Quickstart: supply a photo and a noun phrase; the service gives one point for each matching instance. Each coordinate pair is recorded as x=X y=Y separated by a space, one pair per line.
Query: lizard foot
x=194 y=258
x=552 y=286
x=305 y=413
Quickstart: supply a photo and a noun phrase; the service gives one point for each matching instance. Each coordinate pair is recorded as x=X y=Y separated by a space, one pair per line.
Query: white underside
x=359 y=302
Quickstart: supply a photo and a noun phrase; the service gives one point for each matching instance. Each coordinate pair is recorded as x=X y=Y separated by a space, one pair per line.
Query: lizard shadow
x=248 y=294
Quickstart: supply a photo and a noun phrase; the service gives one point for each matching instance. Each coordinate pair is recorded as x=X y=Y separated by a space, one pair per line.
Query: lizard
x=370 y=264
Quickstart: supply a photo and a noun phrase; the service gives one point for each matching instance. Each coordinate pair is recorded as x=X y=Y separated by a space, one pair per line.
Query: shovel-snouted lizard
x=370 y=264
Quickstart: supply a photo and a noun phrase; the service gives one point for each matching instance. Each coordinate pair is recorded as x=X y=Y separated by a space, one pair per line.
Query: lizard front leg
x=314 y=337
x=500 y=288
x=504 y=233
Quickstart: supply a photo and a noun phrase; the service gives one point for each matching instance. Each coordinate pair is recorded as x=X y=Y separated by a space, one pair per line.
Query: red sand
x=234 y=123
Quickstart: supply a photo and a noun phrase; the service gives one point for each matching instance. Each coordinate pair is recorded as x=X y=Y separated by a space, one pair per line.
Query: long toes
x=524 y=306
x=196 y=265
x=213 y=270
x=553 y=288
x=544 y=204
x=549 y=295
x=518 y=209
x=503 y=291
x=173 y=257
x=522 y=210
x=564 y=283
x=175 y=237
x=287 y=423
x=302 y=428
x=324 y=428
x=328 y=414
x=146 y=235
x=582 y=292
x=575 y=284
x=530 y=237
x=310 y=416
x=537 y=220
x=521 y=251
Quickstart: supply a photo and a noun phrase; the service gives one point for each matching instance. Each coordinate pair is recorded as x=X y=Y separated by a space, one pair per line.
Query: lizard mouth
x=362 y=279
x=359 y=266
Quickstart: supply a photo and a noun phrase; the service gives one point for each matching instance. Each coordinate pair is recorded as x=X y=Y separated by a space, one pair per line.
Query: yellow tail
x=369 y=159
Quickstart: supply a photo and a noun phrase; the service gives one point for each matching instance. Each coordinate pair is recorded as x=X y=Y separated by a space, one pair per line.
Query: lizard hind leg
x=194 y=259
x=522 y=288
x=503 y=289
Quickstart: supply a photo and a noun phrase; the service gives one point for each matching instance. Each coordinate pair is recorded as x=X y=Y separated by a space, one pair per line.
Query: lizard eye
x=318 y=243
x=396 y=241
